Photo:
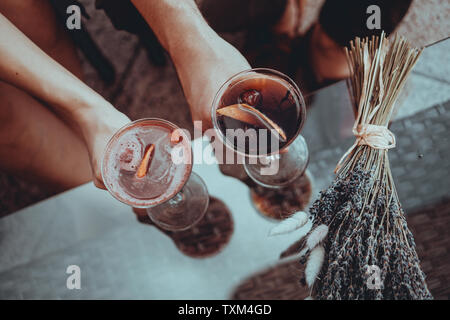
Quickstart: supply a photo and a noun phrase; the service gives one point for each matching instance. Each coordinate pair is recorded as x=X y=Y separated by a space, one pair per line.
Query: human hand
x=98 y=125
x=203 y=76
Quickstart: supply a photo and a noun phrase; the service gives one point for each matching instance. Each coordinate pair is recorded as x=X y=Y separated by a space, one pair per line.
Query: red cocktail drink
x=272 y=99
x=259 y=113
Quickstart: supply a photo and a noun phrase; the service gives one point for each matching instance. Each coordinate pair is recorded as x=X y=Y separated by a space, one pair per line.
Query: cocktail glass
x=174 y=197
x=270 y=106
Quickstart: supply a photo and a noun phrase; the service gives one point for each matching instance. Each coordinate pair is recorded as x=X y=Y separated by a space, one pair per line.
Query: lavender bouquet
x=359 y=245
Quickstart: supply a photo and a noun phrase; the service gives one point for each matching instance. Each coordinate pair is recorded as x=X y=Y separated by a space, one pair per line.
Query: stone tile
x=434 y=62
x=432 y=238
x=419 y=93
x=426 y=22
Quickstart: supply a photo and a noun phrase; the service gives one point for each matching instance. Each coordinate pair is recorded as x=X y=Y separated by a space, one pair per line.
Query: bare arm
x=204 y=61
x=26 y=66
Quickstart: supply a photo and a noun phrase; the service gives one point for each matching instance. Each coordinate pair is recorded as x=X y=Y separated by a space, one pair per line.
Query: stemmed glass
x=270 y=106
x=174 y=197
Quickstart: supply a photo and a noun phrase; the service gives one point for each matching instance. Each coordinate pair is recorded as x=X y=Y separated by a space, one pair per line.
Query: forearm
x=176 y=23
x=183 y=32
x=203 y=60
x=26 y=66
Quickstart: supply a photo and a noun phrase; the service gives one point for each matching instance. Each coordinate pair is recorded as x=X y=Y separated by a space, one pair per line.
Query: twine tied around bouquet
x=374 y=136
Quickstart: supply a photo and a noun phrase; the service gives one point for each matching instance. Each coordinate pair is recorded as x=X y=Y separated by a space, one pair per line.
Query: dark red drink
x=268 y=103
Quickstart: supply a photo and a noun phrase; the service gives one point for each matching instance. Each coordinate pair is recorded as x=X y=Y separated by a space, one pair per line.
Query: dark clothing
x=235 y=15
x=124 y=16
x=343 y=20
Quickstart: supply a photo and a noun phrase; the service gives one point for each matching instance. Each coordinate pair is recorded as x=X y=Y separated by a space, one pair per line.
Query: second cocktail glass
x=148 y=164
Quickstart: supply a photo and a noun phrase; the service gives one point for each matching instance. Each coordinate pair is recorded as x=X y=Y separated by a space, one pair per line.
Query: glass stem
x=177 y=199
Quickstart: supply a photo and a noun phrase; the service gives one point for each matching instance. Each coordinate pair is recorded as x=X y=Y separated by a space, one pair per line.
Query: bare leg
x=35 y=142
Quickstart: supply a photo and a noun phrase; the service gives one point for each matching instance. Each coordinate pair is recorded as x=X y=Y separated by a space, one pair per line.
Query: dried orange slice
x=145 y=163
x=247 y=114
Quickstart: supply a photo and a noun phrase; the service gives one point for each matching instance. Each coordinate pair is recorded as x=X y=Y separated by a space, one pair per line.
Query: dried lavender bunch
x=359 y=236
x=360 y=246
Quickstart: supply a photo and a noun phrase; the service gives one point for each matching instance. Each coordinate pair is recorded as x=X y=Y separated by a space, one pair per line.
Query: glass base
x=281 y=203
x=207 y=237
x=185 y=209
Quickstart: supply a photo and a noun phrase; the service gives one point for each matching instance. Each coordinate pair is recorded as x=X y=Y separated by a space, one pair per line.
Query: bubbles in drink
x=131 y=155
x=126 y=154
